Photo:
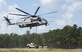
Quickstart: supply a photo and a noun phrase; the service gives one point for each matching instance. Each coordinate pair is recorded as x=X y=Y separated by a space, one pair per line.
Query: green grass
x=38 y=50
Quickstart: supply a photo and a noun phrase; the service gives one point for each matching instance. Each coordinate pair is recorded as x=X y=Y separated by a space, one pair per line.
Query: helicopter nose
x=46 y=24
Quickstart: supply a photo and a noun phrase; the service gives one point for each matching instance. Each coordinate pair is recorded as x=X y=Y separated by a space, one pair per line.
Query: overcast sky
x=69 y=13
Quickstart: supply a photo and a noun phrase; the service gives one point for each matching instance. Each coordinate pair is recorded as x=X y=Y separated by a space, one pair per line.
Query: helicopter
x=24 y=24
x=35 y=20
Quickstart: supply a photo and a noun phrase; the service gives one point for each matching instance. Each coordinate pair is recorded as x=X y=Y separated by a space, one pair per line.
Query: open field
x=38 y=50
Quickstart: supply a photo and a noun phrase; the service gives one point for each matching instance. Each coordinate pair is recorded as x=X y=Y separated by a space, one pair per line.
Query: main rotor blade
x=22 y=11
x=48 y=13
x=17 y=14
x=36 y=10
x=25 y=17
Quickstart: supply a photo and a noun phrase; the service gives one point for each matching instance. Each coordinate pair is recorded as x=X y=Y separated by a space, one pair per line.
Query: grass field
x=38 y=50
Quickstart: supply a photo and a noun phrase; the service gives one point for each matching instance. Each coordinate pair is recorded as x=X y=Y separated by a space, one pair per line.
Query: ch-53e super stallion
x=35 y=20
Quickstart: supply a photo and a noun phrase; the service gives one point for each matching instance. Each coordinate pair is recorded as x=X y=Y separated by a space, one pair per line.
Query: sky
x=69 y=13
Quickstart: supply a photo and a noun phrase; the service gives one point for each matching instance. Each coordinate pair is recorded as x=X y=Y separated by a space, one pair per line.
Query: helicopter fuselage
x=33 y=24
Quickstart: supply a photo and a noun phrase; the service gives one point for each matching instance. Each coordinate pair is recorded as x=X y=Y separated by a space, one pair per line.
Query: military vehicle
x=32 y=45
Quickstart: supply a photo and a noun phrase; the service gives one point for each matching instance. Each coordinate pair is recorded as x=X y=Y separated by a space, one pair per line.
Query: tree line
x=67 y=37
